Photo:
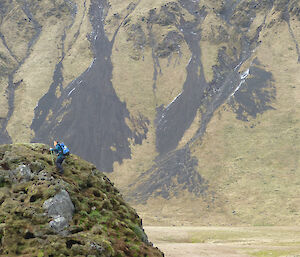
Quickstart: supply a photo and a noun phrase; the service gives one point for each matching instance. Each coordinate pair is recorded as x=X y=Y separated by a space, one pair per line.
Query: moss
x=95 y=215
x=96 y=223
x=40 y=254
x=3 y=182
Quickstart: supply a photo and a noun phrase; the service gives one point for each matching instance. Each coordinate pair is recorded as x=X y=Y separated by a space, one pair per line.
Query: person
x=60 y=156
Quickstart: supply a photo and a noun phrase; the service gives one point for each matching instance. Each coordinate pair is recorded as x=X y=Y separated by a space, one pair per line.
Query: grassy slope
x=101 y=216
x=133 y=82
x=255 y=164
x=37 y=71
x=257 y=159
x=252 y=167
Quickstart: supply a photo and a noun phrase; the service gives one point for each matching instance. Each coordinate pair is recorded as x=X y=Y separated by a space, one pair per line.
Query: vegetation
x=250 y=165
x=102 y=224
x=227 y=241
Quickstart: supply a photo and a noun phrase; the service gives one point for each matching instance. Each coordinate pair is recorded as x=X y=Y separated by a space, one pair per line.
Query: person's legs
x=59 y=162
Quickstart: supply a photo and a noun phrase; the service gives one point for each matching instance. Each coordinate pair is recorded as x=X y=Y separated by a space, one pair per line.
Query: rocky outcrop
x=60 y=208
x=78 y=214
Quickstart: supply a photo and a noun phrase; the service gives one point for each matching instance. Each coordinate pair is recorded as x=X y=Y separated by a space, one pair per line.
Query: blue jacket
x=58 y=150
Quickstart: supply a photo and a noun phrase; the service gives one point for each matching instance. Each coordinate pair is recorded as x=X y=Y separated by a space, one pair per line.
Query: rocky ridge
x=79 y=213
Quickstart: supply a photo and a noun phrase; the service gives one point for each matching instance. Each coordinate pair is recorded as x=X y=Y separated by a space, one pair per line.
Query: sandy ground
x=195 y=250
x=226 y=241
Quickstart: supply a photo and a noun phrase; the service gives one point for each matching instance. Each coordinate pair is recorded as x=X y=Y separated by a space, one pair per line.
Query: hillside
x=191 y=107
x=79 y=213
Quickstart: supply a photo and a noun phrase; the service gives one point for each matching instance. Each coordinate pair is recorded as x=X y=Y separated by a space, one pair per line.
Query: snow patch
x=71 y=91
x=244 y=76
x=173 y=100
x=238 y=65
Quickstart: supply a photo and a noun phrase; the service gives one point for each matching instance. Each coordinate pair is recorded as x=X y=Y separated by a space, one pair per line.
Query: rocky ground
x=79 y=213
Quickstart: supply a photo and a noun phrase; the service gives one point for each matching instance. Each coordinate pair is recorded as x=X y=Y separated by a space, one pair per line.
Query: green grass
x=220 y=236
x=275 y=253
x=249 y=241
x=40 y=254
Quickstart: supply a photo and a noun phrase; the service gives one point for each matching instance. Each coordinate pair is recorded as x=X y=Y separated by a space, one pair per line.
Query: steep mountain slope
x=191 y=106
x=79 y=213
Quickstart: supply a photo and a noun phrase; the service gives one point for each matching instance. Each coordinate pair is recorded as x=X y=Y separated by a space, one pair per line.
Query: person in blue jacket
x=60 y=156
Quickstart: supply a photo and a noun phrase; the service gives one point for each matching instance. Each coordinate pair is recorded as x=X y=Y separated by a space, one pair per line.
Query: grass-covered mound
x=89 y=217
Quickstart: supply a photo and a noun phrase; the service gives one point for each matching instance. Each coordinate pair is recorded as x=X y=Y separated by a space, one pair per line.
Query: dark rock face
x=94 y=110
x=248 y=96
x=177 y=117
x=170 y=44
x=254 y=95
x=89 y=116
x=173 y=174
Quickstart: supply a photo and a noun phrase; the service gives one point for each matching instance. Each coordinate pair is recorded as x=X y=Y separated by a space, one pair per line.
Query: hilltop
x=79 y=213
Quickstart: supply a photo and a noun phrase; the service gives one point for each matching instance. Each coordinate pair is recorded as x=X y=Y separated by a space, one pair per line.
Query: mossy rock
x=102 y=223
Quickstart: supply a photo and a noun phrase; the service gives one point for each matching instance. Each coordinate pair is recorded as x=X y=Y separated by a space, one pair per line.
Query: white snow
x=71 y=91
x=238 y=65
x=244 y=76
x=238 y=87
x=173 y=100
x=91 y=64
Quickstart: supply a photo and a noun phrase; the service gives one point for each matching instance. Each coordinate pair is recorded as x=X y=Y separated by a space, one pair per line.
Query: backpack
x=65 y=149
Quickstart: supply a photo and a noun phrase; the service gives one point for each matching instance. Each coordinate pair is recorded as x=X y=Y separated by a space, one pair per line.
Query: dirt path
x=226 y=241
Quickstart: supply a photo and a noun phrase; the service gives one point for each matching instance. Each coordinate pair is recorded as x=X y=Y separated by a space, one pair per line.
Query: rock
x=43 y=175
x=38 y=218
x=21 y=174
x=171 y=43
x=60 y=208
x=37 y=166
x=59 y=223
x=11 y=157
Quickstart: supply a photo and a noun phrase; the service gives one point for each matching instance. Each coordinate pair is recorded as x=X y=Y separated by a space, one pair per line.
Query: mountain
x=79 y=213
x=191 y=107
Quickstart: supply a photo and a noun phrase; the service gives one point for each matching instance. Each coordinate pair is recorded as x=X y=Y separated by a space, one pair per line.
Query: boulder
x=21 y=174
x=61 y=209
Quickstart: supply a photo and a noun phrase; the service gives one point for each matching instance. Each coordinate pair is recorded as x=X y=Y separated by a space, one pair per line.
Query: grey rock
x=43 y=175
x=60 y=205
x=59 y=223
x=21 y=174
x=61 y=209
